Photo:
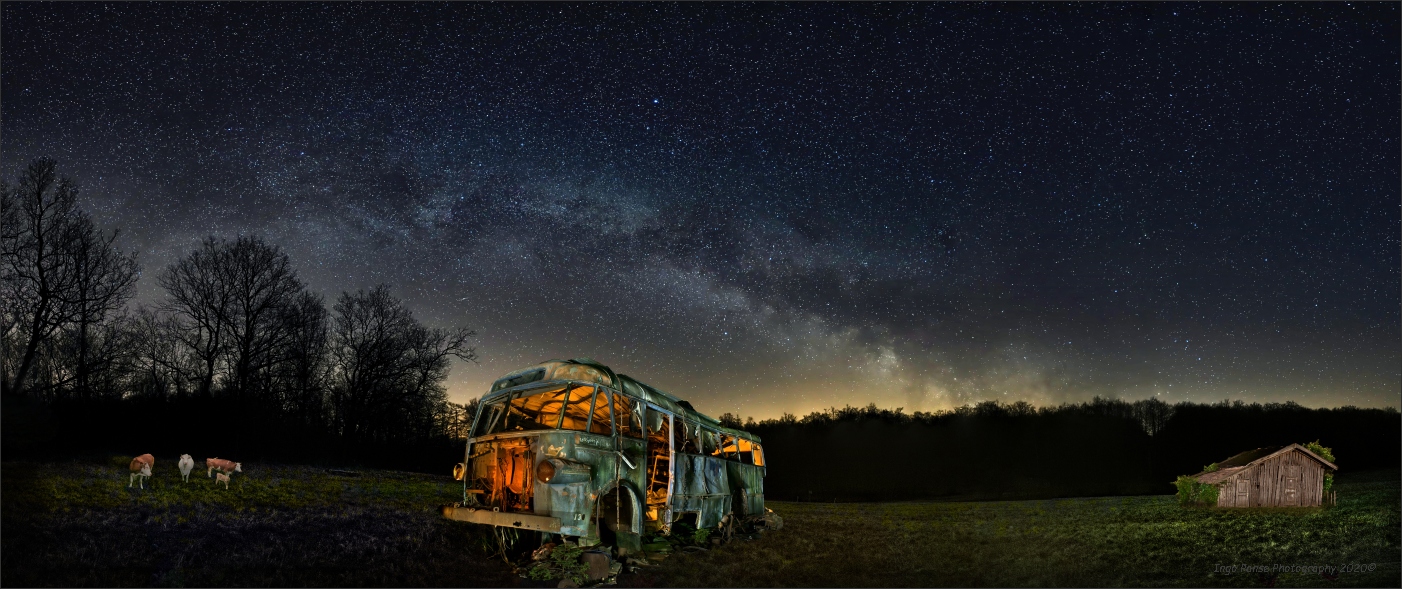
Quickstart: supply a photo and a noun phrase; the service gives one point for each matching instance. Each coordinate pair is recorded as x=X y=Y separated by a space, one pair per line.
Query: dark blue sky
x=775 y=207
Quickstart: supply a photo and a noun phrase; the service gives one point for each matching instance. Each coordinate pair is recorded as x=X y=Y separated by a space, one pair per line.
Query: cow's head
x=238 y=467
x=145 y=469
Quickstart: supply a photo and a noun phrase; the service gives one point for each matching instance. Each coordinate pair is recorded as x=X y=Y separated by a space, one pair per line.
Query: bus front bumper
x=524 y=521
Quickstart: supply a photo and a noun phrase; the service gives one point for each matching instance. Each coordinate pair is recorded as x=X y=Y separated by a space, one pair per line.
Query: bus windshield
x=527 y=410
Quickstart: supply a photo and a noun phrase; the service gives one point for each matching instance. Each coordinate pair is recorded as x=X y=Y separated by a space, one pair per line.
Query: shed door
x=1243 y=492
x=1292 y=485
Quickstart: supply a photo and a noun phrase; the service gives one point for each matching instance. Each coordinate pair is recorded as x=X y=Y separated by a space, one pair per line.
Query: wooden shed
x=1281 y=476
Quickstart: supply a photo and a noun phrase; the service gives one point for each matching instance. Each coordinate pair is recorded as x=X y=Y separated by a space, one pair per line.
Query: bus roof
x=588 y=370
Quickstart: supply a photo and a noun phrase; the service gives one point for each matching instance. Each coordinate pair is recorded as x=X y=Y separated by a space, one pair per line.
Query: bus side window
x=727 y=447
x=708 y=443
x=600 y=423
x=625 y=414
x=685 y=439
x=759 y=456
x=746 y=448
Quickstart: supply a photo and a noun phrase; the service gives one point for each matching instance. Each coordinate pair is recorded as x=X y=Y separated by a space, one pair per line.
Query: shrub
x=563 y=563
x=1191 y=492
x=1327 y=454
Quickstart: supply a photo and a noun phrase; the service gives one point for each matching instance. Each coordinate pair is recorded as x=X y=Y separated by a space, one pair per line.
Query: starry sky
x=775 y=207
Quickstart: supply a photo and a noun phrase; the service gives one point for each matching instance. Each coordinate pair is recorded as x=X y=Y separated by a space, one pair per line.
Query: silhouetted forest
x=238 y=359
x=1014 y=451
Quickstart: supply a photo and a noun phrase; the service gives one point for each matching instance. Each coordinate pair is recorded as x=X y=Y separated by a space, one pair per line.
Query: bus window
x=759 y=456
x=708 y=442
x=685 y=440
x=577 y=407
x=727 y=447
x=625 y=412
x=747 y=453
x=490 y=415
x=600 y=423
x=532 y=410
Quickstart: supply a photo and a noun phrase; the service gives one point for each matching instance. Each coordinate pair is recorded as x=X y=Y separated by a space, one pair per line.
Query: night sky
x=775 y=207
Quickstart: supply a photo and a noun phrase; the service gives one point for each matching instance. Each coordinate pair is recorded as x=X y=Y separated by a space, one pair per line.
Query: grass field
x=1086 y=542
x=76 y=524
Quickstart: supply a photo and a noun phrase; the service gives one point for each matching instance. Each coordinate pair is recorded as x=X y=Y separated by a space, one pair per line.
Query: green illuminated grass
x=1090 y=542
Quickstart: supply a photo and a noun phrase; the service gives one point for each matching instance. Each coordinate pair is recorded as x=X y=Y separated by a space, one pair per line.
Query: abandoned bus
x=570 y=448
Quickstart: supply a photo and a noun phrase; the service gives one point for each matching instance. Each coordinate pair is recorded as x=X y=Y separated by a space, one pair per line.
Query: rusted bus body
x=1288 y=476
x=570 y=447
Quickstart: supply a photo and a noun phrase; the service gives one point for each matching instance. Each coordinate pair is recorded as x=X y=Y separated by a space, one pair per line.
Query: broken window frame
x=710 y=442
x=636 y=424
x=601 y=392
x=569 y=401
x=745 y=451
x=505 y=401
x=686 y=439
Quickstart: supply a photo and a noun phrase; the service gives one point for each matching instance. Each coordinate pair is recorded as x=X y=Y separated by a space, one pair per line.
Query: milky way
x=775 y=207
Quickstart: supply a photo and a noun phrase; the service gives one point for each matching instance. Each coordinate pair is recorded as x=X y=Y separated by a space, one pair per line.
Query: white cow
x=186 y=464
x=141 y=469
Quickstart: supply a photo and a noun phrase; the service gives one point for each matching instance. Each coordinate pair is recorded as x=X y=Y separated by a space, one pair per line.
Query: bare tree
x=199 y=298
x=158 y=360
x=235 y=296
x=59 y=270
x=389 y=368
x=261 y=285
x=106 y=280
x=303 y=369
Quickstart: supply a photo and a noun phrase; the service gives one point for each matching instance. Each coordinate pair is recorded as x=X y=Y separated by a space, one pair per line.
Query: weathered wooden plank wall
x=1266 y=483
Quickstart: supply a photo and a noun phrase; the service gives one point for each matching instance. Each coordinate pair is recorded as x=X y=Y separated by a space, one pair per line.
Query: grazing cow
x=141 y=469
x=186 y=464
x=222 y=465
x=222 y=478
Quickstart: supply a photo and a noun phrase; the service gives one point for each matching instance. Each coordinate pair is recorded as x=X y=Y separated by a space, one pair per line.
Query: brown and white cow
x=222 y=478
x=141 y=469
x=221 y=465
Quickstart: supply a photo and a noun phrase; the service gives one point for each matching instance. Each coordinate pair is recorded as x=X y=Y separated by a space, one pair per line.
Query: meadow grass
x=77 y=524
x=1085 y=542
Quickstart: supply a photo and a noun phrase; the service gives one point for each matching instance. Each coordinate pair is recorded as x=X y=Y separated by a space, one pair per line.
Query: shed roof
x=1246 y=459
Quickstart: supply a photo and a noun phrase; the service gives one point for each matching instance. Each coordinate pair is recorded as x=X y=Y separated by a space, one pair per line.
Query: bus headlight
x=557 y=471
x=459 y=471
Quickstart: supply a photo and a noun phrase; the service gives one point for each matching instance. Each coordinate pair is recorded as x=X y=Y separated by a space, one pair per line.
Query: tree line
x=238 y=356
x=1017 y=451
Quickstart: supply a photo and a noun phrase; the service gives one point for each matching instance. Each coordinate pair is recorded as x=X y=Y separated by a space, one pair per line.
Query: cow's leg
x=131 y=480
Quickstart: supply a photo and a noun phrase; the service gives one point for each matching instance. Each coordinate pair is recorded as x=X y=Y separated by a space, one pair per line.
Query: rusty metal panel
x=747 y=482
x=523 y=521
